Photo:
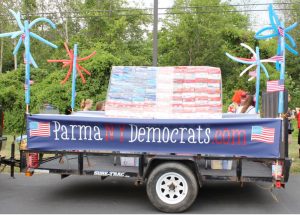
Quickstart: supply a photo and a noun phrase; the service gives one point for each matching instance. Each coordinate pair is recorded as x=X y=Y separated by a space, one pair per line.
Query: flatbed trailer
x=183 y=175
x=109 y=164
x=172 y=172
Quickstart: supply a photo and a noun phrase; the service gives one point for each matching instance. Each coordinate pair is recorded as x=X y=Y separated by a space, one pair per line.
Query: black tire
x=162 y=171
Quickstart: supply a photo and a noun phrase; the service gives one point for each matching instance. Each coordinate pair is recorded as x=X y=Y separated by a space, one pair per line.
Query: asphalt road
x=88 y=194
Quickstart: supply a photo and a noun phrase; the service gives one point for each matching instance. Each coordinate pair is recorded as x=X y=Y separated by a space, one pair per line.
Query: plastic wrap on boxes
x=165 y=92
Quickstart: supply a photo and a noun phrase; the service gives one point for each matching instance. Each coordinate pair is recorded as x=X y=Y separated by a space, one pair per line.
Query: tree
x=199 y=32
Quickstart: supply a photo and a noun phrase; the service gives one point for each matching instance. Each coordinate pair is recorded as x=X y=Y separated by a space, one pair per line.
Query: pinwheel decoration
x=25 y=35
x=74 y=66
x=252 y=62
x=69 y=63
x=279 y=31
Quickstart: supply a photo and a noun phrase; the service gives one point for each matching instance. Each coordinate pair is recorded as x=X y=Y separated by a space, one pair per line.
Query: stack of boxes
x=165 y=92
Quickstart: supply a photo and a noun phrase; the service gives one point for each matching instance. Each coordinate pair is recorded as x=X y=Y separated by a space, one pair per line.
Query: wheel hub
x=171 y=188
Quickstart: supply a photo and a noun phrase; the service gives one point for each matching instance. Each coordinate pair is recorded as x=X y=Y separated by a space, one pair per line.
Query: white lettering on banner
x=207 y=132
x=181 y=134
x=155 y=132
x=57 y=128
x=141 y=133
x=64 y=134
x=138 y=134
x=72 y=126
x=85 y=127
x=166 y=135
x=76 y=132
x=97 y=135
x=131 y=133
x=191 y=138
x=199 y=129
x=172 y=134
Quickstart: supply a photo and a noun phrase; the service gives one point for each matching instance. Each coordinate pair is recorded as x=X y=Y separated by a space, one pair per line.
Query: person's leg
x=299 y=137
x=299 y=141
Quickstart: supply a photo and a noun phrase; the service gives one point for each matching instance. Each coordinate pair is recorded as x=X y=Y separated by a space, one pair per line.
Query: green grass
x=294 y=152
x=6 y=151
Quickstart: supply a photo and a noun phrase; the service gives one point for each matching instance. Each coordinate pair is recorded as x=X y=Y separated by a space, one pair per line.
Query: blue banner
x=225 y=137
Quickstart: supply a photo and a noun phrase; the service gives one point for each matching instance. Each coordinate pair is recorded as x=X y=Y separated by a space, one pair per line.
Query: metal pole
x=155 y=23
x=15 y=57
x=257 y=80
x=12 y=159
x=27 y=66
x=74 y=78
x=282 y=71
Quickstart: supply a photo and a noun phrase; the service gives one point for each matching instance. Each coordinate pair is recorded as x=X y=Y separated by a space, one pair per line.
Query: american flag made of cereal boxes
x=183 y=92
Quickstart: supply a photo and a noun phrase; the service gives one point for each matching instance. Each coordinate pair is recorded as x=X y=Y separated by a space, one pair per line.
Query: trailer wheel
x=172 y=187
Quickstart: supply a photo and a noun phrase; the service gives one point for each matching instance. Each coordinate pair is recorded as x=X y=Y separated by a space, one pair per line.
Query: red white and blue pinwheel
x=22 y=33
x=74 y=67
x=252 y=62
x=278 y=30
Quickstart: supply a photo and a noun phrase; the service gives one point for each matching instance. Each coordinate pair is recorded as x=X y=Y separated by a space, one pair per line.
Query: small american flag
x=281 y=31
x=262 y=134
x=275 y=86
x=39 y=129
